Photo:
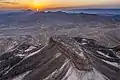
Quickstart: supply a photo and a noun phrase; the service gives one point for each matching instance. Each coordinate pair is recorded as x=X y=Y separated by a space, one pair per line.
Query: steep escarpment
x=62 y=58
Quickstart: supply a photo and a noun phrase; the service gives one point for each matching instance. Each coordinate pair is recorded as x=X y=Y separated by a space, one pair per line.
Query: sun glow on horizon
x=35 y=5
x=57 y=4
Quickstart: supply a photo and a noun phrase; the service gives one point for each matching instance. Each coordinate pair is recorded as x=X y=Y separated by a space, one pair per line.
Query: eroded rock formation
x=63 y=58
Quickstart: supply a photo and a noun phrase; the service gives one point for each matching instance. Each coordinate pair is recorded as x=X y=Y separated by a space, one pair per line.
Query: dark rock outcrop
x=61 y=59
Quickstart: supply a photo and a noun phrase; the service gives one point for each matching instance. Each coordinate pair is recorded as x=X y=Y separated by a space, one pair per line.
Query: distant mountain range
x=113 y=13
x=29 y=18
x=96 y=11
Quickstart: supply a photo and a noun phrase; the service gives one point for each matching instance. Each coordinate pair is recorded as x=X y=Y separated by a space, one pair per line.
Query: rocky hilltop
x=62 y=58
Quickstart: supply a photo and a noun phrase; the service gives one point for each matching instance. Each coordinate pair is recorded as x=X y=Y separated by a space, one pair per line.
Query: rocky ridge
x=62 y=58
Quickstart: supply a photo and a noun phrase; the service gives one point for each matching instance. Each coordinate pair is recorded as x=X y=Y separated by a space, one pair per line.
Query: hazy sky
x=51 y=4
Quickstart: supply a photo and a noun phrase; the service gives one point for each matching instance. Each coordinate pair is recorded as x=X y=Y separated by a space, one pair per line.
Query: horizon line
x=56 y=9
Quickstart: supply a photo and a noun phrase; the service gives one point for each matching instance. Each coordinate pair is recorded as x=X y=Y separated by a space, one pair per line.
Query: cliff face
x=63 y=58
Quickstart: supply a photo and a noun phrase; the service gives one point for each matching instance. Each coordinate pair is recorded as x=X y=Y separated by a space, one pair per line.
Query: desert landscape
x=58 y=45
